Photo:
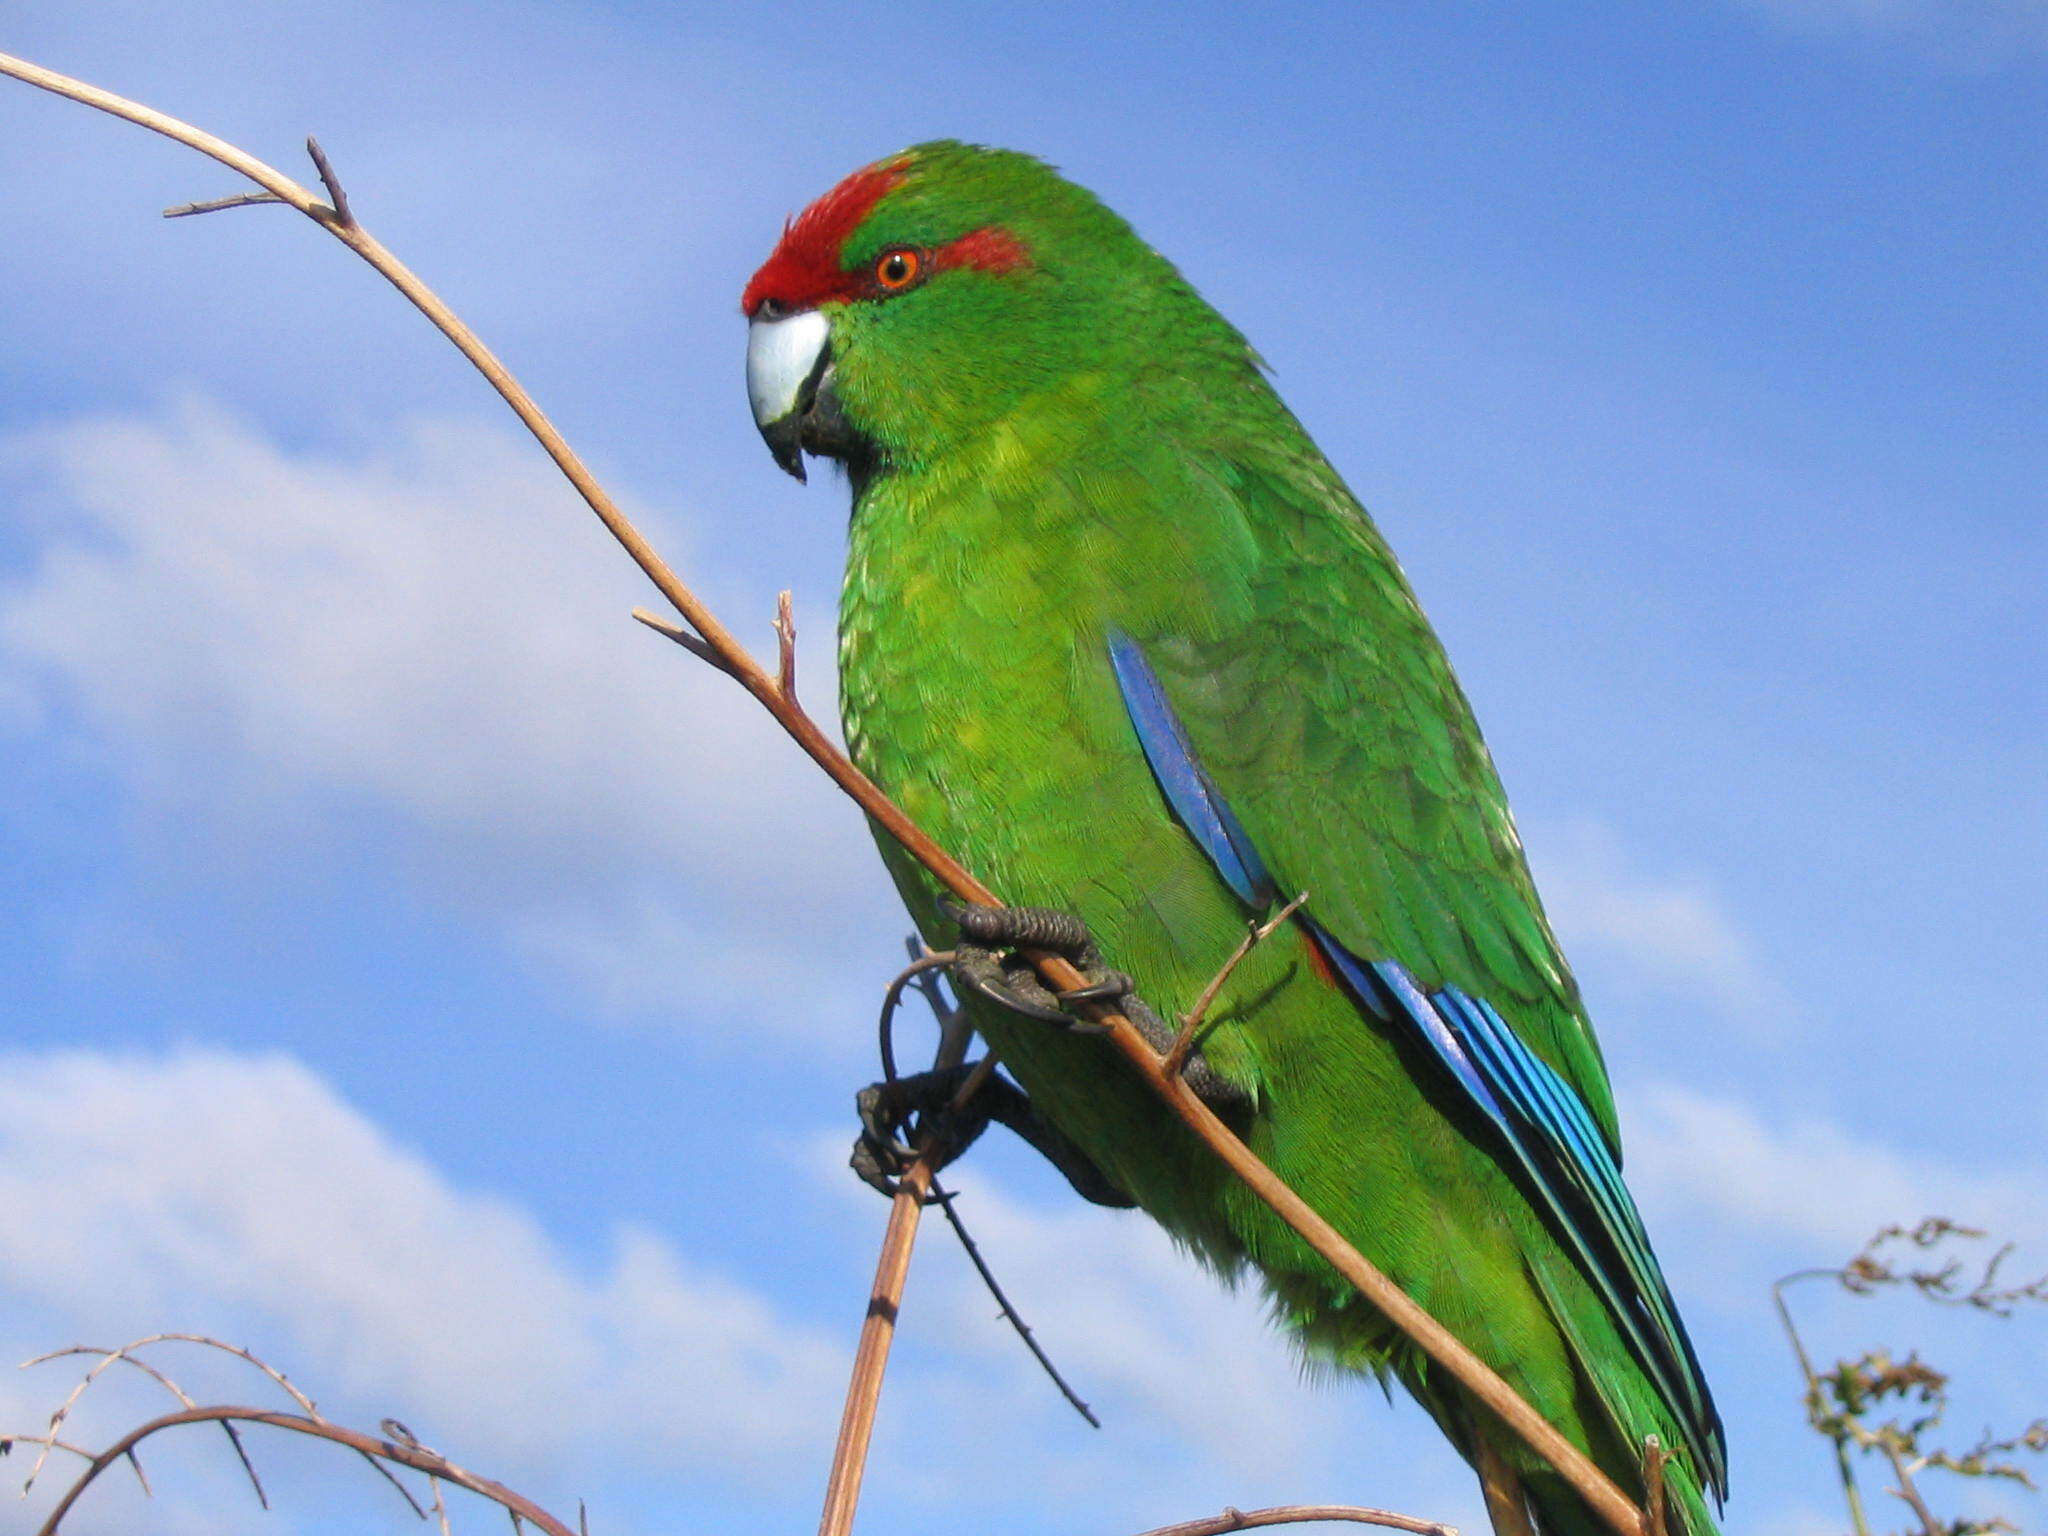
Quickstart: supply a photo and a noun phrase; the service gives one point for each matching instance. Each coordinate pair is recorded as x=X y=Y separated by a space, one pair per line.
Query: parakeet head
x=932 y=292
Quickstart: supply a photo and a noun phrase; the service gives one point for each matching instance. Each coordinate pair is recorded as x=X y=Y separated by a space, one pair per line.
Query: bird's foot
x=895 y=1112
x=986 y=961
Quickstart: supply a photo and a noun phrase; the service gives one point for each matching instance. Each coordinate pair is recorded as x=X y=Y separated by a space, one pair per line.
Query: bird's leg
x=886 y=1110
x=985 y=961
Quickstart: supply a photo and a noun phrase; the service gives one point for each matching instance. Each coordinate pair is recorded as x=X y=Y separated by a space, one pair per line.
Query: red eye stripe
x=988 y=249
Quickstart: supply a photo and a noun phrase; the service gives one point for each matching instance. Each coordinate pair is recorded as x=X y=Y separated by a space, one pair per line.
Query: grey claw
x=1013 y=983
x=1015 y=987
x=1109 y=987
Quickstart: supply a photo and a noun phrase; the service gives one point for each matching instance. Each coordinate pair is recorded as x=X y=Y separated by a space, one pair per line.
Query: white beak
x=782 y=357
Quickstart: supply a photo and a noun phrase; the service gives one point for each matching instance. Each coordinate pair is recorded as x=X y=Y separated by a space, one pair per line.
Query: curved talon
x=1012 y=982
x=1014 y=986
x=1109 y=988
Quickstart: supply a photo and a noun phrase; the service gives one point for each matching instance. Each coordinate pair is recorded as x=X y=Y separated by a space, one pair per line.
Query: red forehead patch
x=804 y=270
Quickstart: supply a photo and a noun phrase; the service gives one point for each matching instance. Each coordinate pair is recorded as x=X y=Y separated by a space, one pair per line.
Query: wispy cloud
x=255 y=635
x=239 y=1195
x=1668 y=932
x=1961 y=34
x=1699 y=1155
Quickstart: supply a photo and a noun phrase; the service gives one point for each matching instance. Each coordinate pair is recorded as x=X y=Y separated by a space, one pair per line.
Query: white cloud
x=239 y=1196
x=1698 y=1155
x=432 y=628
x=1673 y=934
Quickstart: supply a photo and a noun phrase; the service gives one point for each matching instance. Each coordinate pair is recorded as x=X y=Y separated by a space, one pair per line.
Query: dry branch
x=1302 y=1514
x=414 y=1456
x=1607 y=1500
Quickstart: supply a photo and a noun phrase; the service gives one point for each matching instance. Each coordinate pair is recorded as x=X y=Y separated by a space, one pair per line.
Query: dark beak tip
x=785 y=444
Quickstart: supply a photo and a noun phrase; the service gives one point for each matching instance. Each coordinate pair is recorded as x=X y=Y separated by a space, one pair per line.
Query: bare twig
x=335 y=196
x=216 y=204
x=8 y=1443
x=1176 y=1059
x=391 y=1477
x=206 y=1340
x=1450 y=1353
x=1302 y=1514
x=885 y=1300
x=1654 y=1458
x=785 y=645
x=682 y=637
x=400 y=1452
x=944 y=1200
x=1908 y=1490
x=127 y=1355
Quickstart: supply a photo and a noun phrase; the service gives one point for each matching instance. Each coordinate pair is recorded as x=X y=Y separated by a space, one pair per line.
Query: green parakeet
x=1117 y=635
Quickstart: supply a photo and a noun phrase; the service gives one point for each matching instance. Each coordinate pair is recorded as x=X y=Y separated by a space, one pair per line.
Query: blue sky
x=416 y=970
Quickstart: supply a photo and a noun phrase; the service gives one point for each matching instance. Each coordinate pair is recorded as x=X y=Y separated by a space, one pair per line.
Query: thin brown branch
x=916 y=972
x=336 y=198
x=127 y=1355
x=682 y=637
x=1601 y=1494
x=1654 y=1459
x=208 y=1341
x=408 y=1455
x=8 y=1443
x=1302 y=1514
x=1909 y=1491
x=885 y=1300
x=108 y=1357
x=391 y=1477
x=1176 y=1059
x=248 y=1466
x=216 y=204
x=785 y=645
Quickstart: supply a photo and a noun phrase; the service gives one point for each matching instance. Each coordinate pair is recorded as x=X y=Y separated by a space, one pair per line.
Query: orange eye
x=897 y=269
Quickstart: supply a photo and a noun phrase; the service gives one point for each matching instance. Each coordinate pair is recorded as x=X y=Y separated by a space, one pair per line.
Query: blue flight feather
x=1540 y=1120
x=1188 y=790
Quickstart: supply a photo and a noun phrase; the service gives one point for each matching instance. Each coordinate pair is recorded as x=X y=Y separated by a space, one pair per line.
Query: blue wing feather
x=1551 y=1139
x=1187 y=788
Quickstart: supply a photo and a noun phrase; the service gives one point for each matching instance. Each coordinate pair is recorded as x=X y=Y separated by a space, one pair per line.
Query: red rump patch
x=804 y=269
x=1320 y=964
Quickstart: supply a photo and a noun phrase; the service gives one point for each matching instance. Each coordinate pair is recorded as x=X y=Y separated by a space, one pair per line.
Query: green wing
x=1324 y=708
